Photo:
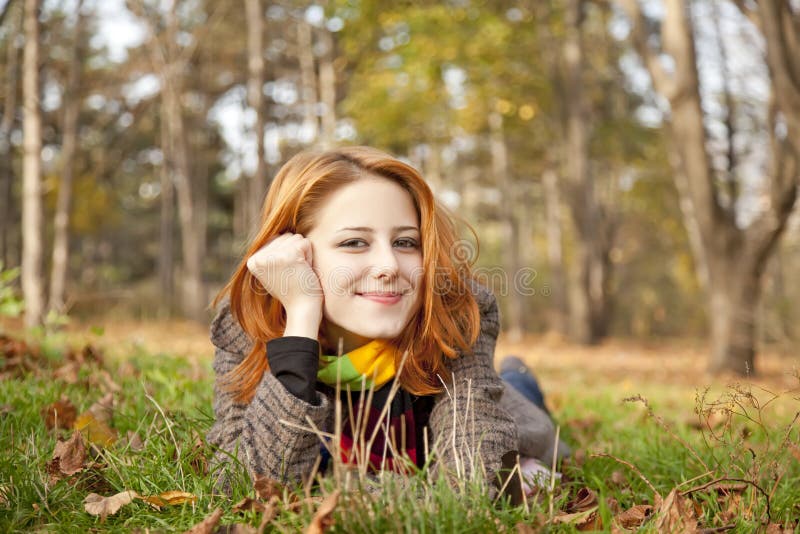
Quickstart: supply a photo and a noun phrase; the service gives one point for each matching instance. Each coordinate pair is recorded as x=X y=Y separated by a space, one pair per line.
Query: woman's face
x=367 y=253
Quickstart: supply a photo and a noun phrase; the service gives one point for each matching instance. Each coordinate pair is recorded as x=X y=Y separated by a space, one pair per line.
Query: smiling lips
x=387 y=298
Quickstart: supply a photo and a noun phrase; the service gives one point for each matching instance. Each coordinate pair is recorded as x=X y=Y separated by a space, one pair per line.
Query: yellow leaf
x=169 y=498
x=96 y=431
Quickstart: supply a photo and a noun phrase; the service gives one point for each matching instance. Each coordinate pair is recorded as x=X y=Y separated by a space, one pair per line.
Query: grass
x=623 y=451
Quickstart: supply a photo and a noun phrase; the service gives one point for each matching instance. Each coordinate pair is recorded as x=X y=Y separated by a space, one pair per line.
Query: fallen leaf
x=634 y=516
x=249 y=504
x=96 y=504
x=103 y=409
x=94 y=422
x=777 y=528
x=60 y=414
x=266 y=487
x=676 y=514
x=67 y=373
x=582 y=520
x=132 y=442
x=523 y=528
x=583 y=500
x=618 y=479
x=207 y=525
x=69 y=456
x=169 y=498
x=323 y=518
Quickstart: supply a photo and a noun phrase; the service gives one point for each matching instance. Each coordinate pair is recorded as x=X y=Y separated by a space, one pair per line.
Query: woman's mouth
x=387 y=298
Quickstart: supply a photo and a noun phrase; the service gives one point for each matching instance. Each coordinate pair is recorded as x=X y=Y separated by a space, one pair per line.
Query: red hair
x=448 y=319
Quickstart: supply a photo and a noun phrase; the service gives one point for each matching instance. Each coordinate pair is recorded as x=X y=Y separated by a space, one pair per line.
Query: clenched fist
x=284 y=268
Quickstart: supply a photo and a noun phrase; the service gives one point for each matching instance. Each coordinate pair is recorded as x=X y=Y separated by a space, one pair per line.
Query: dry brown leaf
x=70 y=455
x=585 y=518
x=266 y=487
x=583 y=500
x=169 y=498
x=96 y=504
x=249 y=504
x=676 y=514
x=60 y=414
x=618 y=479
x=523 y=528
x=67 y=373
x=207 y=525
x=777 y=528
x=323 y=518
x=5 y=490
x=132 y=441
x=634 y=516
x=103 y=409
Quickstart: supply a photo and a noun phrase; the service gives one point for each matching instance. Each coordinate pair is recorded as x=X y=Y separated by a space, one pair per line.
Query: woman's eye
x=353 y=243
x=406 y=242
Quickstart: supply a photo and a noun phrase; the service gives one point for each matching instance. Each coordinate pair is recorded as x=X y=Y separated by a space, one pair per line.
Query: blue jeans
x=526 y=384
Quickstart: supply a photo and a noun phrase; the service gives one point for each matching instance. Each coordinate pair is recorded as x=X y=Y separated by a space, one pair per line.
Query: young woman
x=353 y=257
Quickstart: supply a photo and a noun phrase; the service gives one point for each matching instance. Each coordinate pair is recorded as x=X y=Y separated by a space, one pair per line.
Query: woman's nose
x=384 y=264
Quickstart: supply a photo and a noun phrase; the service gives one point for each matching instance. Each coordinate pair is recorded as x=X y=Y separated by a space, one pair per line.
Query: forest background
x=630 y=168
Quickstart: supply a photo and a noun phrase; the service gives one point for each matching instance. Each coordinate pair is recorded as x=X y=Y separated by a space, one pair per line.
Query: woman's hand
x=284 y=268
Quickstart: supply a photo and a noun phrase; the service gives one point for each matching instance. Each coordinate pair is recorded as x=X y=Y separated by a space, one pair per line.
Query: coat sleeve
x=470 y=427
x=257 y=433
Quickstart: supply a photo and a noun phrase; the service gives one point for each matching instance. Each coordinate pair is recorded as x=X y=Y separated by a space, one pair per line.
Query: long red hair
x=448 y=319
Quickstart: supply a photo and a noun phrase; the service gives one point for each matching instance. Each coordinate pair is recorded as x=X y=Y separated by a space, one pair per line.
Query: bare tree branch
x=662 y=80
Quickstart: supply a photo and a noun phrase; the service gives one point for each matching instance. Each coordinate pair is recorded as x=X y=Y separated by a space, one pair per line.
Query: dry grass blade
x=322 y=518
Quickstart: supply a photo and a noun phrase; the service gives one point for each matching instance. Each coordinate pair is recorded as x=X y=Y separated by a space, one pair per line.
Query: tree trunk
x=327 y=90
x=555 y=257
x=734 y=292
x=255 y=99
x=588 y=299
x=499 y=155
x=32 y=227
x=732 y=259
x=72 y=104
x=193 y=296
x=308 y=77
x=6 y=124
x=166 y=256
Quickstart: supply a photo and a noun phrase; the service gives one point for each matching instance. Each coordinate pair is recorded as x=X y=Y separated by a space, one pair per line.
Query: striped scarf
x=372 y=367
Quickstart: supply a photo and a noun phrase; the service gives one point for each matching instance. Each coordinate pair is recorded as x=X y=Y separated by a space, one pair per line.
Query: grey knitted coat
x=472 y=415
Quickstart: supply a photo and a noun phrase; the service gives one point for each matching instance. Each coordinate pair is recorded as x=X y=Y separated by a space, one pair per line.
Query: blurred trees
x=529 y=120
x=32 y=224
x=730 y=257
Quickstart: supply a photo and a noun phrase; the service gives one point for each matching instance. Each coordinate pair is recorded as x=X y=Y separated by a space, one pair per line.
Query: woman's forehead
x=368 y=204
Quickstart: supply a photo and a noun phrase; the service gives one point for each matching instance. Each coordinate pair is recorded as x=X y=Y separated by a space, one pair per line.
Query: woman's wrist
x=303 y=323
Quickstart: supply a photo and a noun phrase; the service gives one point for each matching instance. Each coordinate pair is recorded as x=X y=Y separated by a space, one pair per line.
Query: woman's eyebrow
x=370 y=230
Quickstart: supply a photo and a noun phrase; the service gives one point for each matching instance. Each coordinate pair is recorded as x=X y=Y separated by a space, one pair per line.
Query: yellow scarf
x=371 y=365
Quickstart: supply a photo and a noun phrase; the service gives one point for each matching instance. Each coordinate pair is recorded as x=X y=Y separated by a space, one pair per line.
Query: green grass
x=167 y=402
